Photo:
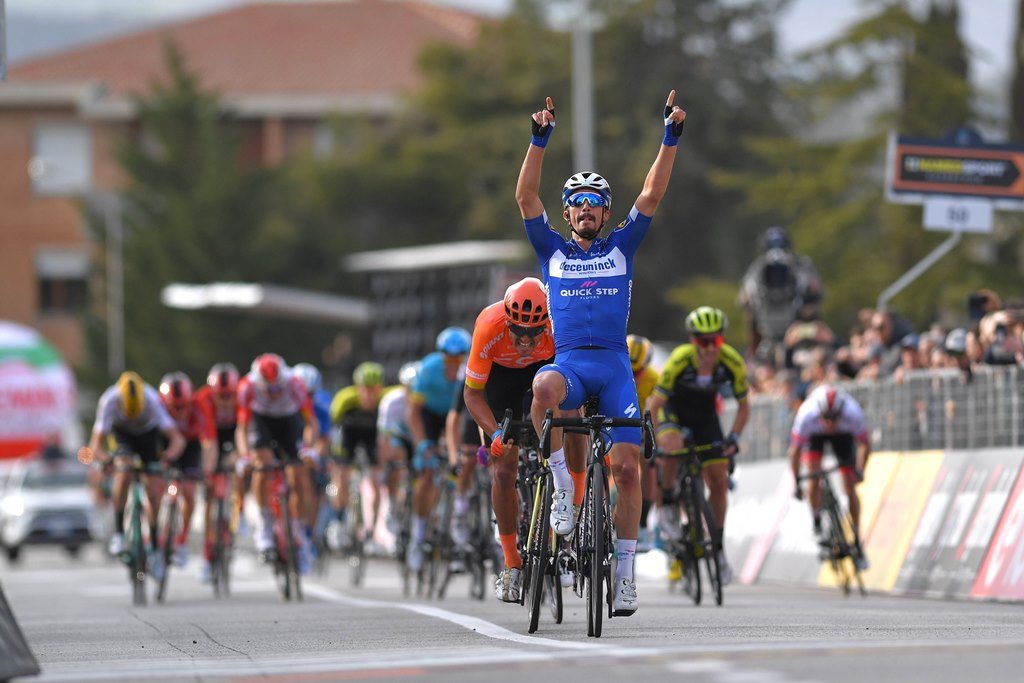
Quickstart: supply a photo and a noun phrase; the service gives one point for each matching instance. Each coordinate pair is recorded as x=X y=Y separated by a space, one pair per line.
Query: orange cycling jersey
x=493 y=343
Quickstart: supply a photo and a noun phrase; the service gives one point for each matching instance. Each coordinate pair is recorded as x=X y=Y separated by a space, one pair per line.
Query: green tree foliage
x=446 y=168
x=194 y=213
x=828 y=187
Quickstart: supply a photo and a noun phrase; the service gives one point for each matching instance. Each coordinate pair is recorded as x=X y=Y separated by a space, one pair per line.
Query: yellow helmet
x=640 y=351
x=131 y=394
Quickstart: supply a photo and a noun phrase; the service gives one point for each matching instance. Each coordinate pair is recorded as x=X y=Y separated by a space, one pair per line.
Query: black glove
x=799 y=493
x=542 y=133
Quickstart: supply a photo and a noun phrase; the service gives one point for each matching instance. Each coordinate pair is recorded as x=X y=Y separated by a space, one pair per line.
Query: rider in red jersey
x=177 y=397
x=218 y=399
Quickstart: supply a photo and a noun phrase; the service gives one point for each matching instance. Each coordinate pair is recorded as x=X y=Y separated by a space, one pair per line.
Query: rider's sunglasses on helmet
x=593 y=198
x=531 y=332
x=831 y=415
x=706 y=340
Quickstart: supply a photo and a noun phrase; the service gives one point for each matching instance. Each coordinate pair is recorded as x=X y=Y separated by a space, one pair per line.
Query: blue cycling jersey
x=437 y=391
x=588 y=290
x=322 y=410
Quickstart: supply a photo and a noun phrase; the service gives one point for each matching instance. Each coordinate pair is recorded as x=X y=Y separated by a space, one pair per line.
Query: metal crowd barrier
x=928 y=410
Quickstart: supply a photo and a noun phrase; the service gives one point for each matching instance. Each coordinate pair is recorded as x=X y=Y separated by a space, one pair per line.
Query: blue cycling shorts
x=604 y=373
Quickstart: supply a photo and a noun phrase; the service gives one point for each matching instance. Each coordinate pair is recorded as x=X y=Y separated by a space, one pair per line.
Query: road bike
x=403 y=535
x=839 y=547
x=285 y=554
x=539 y=546
x=593 y=537
x=222 y=545
x=355 y=524
x=168 y=525
x=698 y=539
x=137 y=512
x=438 y=546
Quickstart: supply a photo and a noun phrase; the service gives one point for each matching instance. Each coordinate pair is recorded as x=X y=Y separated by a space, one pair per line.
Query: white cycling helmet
x=586 y=180
x=831 y=400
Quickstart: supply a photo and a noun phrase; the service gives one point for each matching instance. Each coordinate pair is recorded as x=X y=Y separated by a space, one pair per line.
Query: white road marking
x=476 y=624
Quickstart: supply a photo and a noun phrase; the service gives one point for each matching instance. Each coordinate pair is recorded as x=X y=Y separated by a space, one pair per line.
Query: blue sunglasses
x=593 y=198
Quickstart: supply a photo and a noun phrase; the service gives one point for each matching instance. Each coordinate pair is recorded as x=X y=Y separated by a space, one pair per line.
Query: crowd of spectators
x=884 y=345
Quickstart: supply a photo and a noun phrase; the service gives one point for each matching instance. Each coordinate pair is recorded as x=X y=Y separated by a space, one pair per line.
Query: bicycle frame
x=842 y=544
x=593 y=539
x=220 y=561
x=168 y=528
x=286 y=554
x=698 y=538
x=137 y=505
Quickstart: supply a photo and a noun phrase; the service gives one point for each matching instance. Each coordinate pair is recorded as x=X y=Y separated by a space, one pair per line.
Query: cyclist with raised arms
x=511 y=342
x=200 y=449
x=353 y=413
x=686 y=400
x=432 y=397
x=274 y=408
x=830 y=415
x=589 y=281
x=130 y=411
x=641 y=351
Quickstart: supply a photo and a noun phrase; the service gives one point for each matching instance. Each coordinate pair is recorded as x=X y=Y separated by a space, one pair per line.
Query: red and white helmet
x=223 y=379
x=269 y=370
x=175 y=390
x=830 y=401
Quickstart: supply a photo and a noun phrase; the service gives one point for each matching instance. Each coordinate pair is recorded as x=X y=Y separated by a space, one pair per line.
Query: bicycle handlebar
x=595 y=423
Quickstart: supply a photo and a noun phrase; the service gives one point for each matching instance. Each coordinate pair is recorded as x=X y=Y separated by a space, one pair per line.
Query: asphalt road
x=79 y=621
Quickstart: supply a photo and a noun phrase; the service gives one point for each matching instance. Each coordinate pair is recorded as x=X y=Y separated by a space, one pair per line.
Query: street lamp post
x=113 y=221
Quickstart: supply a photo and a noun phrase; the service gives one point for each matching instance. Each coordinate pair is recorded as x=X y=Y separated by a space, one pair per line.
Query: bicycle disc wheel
x=538 y=552
x=167 y=548
x=595 y=587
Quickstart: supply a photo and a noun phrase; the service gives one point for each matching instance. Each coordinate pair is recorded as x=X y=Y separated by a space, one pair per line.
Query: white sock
x=461 y=504
x=560 y=471
x=624 y=552
x=419 y=528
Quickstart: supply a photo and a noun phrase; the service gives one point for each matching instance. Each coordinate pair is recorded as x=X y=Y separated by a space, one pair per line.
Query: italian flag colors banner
x=37 y=391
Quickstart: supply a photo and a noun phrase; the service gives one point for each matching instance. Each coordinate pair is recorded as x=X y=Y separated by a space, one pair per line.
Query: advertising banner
x=896 y=521
x=37 y=391
x=756 y=507
x=948 y=548
x=1002 y=572
x=961 y=165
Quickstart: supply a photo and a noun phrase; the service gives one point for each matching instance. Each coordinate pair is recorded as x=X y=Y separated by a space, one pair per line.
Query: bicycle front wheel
x=166 y=550
x=538 y=551
x=137 y=553
x=712 y=544
x=596 y=577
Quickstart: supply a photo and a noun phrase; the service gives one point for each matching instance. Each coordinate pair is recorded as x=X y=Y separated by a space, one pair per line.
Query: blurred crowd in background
x=792 y=349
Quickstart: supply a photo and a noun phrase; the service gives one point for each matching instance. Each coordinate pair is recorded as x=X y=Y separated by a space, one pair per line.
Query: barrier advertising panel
x=948 y=548
x=891 y=533
x=755 y=510
x=1002 y=572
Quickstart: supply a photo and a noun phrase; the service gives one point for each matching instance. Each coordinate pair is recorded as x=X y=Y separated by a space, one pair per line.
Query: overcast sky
x=988 y=25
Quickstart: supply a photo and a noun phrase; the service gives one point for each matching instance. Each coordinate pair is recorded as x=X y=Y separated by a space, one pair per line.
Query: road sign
x=960 y=165
x=958 y=214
